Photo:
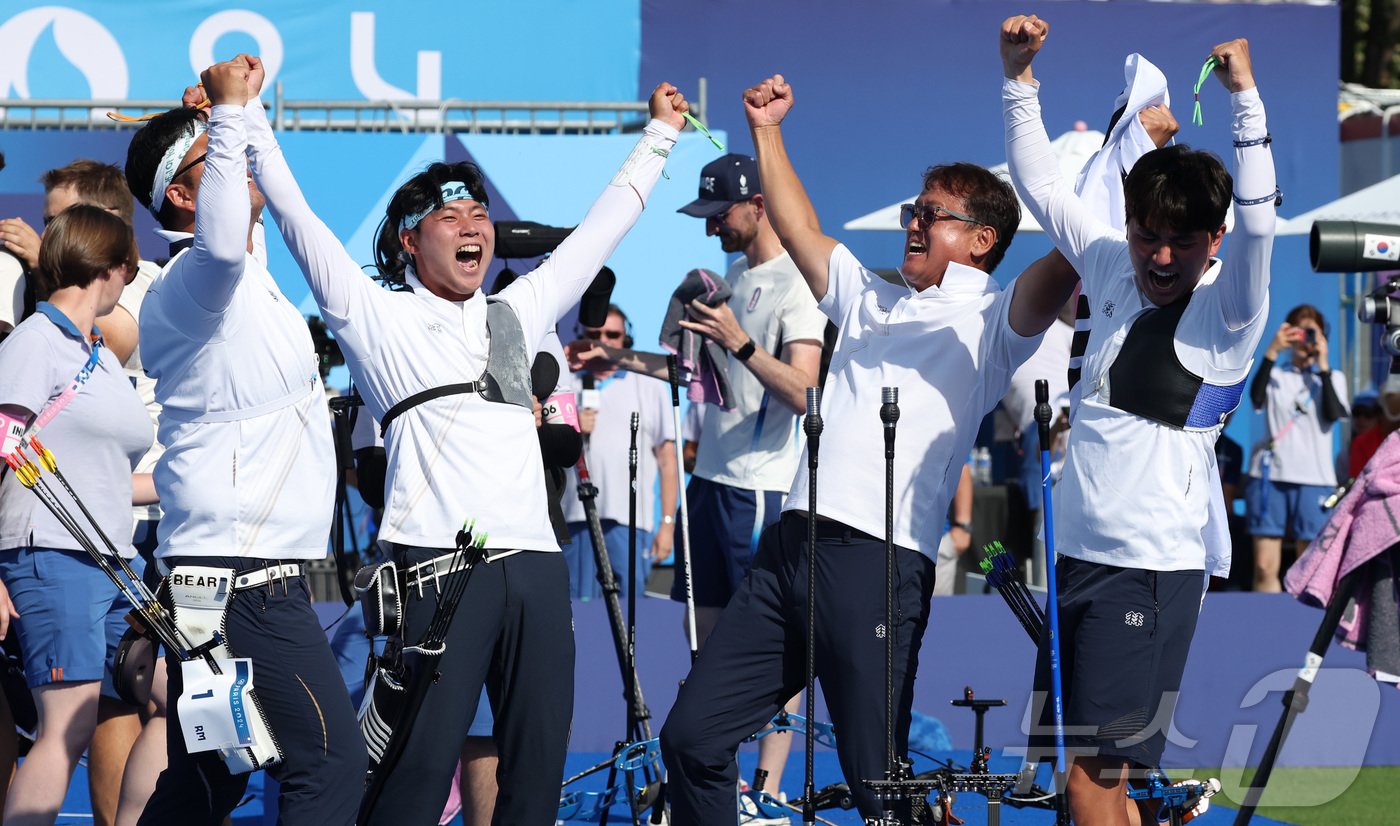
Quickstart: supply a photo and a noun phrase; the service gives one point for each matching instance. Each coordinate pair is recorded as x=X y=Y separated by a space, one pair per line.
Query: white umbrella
x=1073 y=148
x=1377 y=203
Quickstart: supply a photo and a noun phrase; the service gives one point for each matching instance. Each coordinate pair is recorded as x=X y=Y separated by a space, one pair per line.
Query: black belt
x=831 y=529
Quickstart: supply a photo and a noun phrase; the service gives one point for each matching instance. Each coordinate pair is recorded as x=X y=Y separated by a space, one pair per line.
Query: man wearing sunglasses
x=744 y=465
x=949 y=339
x=247 y=479
x=608 y=399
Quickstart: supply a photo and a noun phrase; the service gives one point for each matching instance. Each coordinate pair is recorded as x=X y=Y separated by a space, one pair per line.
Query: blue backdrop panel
x=365 y=50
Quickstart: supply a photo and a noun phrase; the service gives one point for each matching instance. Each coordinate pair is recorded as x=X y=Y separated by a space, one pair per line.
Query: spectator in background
x=1387 y=417
x=119 y=728
x=69 y=634
x=1366 y=415
x=1291 y=471
x=608 y=398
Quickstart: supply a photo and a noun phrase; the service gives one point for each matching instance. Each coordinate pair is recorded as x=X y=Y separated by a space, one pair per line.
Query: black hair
x=422 y=192
x=148 y=146
x=1178 y=188
x=986 y=196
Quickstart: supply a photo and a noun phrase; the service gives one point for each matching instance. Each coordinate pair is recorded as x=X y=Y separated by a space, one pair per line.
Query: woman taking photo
x=1291 y=470
x=67 y=613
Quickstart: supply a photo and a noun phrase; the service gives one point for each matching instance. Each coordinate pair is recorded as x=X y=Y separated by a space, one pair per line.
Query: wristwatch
x=967 y=526
x=668 y=519
x=745 y=352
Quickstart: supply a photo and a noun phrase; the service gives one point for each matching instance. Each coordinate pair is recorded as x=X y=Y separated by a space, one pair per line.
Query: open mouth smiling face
x=1168 y=264
x=452 y=249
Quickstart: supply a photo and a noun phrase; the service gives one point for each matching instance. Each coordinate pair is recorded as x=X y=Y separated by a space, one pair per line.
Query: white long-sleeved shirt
x=249 y=466
x=1136 y=493
x=458 y=456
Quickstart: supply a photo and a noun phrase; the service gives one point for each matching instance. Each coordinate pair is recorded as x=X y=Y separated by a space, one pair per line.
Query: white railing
x=475 y=116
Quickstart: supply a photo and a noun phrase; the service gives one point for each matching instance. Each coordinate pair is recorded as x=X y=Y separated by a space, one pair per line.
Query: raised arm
x=559 y=283
x=789 y=209
x=1245 y=274
x=587 y=354
x=1035 y=171
x=334 y=277
x=223 y=206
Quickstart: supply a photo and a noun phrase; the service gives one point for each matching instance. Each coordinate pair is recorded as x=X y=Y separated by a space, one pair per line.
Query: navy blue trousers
x=513 y=631
x=756 y=659
x=303 y=696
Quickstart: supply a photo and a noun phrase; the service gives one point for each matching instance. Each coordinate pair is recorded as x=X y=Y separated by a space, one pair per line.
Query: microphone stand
x=638 y=715
x=894 y=771
x=633 y=584
x=812 y=425
x=1052 y=605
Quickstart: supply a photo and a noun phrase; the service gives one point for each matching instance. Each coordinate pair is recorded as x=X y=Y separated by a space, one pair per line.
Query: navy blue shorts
x=1124 y=636
x=725 y=523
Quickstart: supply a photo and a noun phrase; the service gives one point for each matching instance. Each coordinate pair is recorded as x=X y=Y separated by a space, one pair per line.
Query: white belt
x=434 y=569
x=264 y=576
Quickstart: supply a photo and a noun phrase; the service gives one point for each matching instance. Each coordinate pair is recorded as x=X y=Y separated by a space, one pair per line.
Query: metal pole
x=812 y=425
x=674 y=377
x=1052 y=605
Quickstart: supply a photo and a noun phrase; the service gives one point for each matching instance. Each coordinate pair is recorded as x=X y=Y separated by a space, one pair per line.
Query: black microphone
x=544 y=375
x=593 y=307
x=1043 y=413
x=889 y=414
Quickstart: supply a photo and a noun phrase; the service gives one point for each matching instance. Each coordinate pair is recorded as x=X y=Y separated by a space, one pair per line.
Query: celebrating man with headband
x=446 y=373
x=247 y=477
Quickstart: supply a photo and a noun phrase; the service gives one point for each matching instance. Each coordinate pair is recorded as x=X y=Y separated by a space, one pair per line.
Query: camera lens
x=1375 y=309
x=1391 y=340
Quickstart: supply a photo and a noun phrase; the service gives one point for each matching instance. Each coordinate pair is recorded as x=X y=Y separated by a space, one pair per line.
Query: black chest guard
x=1148 y=380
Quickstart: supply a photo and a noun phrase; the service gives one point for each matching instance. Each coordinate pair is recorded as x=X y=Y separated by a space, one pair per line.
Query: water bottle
x=982 y=466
